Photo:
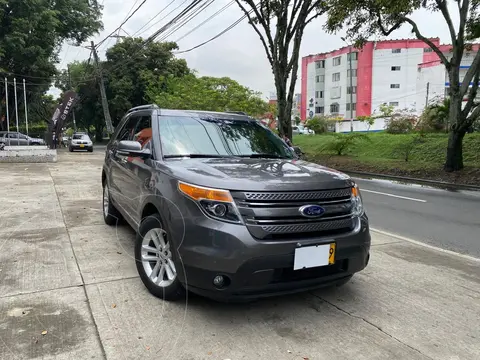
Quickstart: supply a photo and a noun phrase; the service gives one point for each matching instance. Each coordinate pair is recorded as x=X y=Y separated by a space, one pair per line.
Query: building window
x=321 y=95
x=427 y=49
x=317 y=94
x=319 y=110
x=336 y=76
x=353 y=72
x=394 y=86
x=393 y=103
x=337 y=60
x=334 y=108
x=396 y=51
x=353 y=107
x=395 y=68
x=317 y=78
x=320 y=64
x=322 y=78
x=352 y=56
x=351 y=90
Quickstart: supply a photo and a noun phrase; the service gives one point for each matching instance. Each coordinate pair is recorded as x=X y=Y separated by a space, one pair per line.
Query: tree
x=129 y=71
x=206 y=93
x=368 y=17
x=278 y=23
x=318 y=123
x=31 y=33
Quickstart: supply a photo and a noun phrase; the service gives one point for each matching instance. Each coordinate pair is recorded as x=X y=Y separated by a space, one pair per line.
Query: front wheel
x=155 y=257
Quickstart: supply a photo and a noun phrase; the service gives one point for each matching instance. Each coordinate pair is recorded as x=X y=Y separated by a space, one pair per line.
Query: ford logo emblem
x=311 y=211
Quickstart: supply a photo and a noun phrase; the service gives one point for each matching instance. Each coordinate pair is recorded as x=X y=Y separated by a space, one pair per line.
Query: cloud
x=238 y=53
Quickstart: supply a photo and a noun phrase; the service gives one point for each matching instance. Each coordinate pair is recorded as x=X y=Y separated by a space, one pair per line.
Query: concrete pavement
x=69 y=290
x=447 y=219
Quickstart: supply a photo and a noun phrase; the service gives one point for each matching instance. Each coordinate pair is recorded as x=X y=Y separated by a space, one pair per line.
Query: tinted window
x=13 y=136
x=143 y=131
x=128 y=130
x=188 y=135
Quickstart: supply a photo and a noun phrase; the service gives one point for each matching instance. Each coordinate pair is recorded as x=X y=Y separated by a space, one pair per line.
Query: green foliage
x=297 y=120
x=384 y=148
x=406 y=147
x=434 y=118
x=318 y=123
x=31 y=35
x=344 y=142
x=206 y=93
x=399 y=125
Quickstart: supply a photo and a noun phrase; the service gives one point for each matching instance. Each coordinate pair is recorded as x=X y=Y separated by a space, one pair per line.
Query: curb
x=413 y=180
x=419 y=243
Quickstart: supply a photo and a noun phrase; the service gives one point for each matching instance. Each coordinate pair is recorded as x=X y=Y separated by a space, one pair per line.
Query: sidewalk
x=65 y=274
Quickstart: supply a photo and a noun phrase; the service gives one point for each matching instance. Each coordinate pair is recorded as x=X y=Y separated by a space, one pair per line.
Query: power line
x=187 y=20
x=137 y=33
x=157 y=14
x=123 y=23
x=206 y=20
x=216 y=36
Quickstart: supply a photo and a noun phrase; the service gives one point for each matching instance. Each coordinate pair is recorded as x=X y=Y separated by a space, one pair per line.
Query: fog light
x=219 y=281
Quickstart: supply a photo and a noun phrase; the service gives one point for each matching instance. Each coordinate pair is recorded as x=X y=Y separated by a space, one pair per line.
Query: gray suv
x=223 y=208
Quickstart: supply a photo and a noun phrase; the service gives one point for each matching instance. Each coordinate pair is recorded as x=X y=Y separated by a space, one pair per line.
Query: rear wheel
x=111 y=215
x=155 y=257
x=70 y=149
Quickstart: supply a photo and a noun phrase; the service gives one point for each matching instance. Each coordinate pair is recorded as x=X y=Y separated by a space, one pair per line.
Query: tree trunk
x=454 y=160
x=282 y=106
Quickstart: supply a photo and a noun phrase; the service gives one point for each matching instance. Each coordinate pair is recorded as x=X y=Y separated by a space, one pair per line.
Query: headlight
x=357 y=203
x=215 y=203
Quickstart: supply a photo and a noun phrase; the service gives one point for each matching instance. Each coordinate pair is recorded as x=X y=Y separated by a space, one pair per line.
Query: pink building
x=351 y=85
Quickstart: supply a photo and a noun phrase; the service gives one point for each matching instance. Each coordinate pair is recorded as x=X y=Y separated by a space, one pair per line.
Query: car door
x=23 y=140
x=139 y=171
x=118 y=174
x=13 y=139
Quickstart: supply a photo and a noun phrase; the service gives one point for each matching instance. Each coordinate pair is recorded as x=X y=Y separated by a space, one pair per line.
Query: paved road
x=69 y=289
x=447 y=219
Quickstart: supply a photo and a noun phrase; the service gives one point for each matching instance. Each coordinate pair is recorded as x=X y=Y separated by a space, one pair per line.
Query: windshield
x=181 y=135
x=80 y=137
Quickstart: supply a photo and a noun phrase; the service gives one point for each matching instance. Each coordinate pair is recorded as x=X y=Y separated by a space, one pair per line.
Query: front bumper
x=255 y=268
x=79 y=147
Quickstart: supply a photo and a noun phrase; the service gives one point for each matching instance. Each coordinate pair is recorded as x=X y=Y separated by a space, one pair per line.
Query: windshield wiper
x=266 y=156
x=195 y=156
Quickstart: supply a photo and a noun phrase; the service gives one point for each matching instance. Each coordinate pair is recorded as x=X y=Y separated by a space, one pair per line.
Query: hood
x=255 y=174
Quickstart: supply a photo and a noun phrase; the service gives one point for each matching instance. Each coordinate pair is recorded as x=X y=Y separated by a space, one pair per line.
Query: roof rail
x=237 y=112
x=143 y=107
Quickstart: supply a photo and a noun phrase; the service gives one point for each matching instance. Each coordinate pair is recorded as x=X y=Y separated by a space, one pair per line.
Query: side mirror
x=132 y=148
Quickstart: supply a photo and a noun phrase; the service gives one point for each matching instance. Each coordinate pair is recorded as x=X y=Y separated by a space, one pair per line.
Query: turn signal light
x=200 y=193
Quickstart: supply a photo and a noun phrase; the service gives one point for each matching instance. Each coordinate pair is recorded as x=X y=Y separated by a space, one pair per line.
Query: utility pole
x=106 y=112
x=16 y=108
x=6 y=103
x=70 y=86
x=351 y=88
x=426 y=97
x=25 y=100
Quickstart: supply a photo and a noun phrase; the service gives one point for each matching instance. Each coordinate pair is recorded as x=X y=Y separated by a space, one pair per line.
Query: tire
x=90 y=149
x=170 y=289
x=111 y=215
x=70 y=149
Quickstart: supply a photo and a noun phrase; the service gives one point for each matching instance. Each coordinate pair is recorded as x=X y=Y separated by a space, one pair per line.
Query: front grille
x=276 y=215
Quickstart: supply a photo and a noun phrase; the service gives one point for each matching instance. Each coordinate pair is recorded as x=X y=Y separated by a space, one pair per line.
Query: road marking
x=392 y=195
x=416 y=242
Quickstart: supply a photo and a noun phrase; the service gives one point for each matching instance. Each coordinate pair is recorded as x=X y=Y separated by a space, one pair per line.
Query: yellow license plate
x=82 y=145
x=331 y=257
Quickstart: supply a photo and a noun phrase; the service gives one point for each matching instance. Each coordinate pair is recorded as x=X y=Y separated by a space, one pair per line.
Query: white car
x=302 y=130
x=80 y=141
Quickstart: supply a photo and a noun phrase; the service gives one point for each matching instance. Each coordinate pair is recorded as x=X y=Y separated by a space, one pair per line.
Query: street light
x=351 y=82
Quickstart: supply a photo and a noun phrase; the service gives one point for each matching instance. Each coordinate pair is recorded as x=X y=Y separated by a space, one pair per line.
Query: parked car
x=80 y=141
x=14 y=138
x=222 y=207
x=302 y=130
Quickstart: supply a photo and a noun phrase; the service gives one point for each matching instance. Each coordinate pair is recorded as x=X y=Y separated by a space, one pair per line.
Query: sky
x=238 y=53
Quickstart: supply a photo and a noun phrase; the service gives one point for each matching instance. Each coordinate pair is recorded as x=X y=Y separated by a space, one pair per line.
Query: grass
x=385 y=154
